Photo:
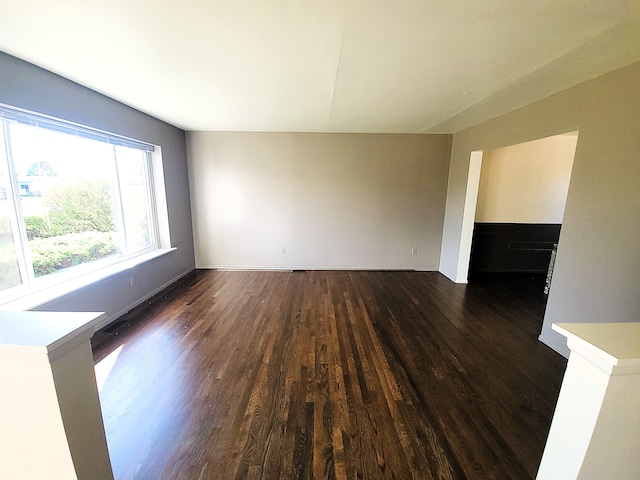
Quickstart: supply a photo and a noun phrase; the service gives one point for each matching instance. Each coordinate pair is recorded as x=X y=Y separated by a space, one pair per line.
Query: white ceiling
x=324 y=65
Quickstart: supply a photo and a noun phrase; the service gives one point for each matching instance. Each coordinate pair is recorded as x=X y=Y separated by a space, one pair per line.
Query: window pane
x=66 y=195
x=9 y=265
x=71 y=199
x=134 y=188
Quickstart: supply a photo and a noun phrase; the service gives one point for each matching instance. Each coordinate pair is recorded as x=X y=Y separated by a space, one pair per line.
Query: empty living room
x=249 y=240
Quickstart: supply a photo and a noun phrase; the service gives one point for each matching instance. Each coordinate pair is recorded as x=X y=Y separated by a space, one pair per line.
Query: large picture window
x=72 y=199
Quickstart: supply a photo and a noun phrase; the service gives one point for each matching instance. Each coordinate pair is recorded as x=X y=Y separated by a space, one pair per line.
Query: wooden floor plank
x=301 y=375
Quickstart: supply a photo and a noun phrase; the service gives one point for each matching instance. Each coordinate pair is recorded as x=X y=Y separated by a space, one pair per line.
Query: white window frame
x=62 y=282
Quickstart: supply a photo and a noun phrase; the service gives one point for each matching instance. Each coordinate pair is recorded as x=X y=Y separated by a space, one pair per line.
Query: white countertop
x=36 y=336
x=613 y=347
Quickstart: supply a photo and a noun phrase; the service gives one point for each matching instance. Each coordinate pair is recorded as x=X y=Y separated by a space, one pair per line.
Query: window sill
x=34 y=299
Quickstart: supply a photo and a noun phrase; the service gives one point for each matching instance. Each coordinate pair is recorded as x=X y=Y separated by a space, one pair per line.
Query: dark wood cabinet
x=513 y=247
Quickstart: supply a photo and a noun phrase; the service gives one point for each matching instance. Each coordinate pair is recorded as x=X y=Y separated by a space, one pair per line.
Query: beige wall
x=527 y=182
x=596 y=277
x=332 y=200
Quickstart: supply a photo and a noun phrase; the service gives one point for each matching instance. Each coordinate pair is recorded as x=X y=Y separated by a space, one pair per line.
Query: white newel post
x=50 y=418
x=595 y=432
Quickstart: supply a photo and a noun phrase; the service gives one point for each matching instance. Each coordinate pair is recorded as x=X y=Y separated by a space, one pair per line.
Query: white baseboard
x=107 y=320
x=306 y=267
x=557 y=343
x=454 y=279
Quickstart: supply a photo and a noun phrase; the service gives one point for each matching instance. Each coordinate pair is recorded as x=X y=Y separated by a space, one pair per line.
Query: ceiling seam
x=334 y=85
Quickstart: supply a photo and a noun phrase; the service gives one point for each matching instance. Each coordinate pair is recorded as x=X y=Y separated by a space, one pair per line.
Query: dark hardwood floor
x=366 y=375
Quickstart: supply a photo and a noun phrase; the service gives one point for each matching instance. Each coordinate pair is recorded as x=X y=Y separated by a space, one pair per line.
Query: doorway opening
x=521 y=196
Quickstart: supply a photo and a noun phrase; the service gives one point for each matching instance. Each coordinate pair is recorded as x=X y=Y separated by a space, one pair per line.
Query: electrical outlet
x=132 y=280
x=283 y=251
x=414 y=251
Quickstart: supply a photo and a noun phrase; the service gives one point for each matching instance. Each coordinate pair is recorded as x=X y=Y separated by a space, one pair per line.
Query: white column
x=50 y=418
x=595 y=432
